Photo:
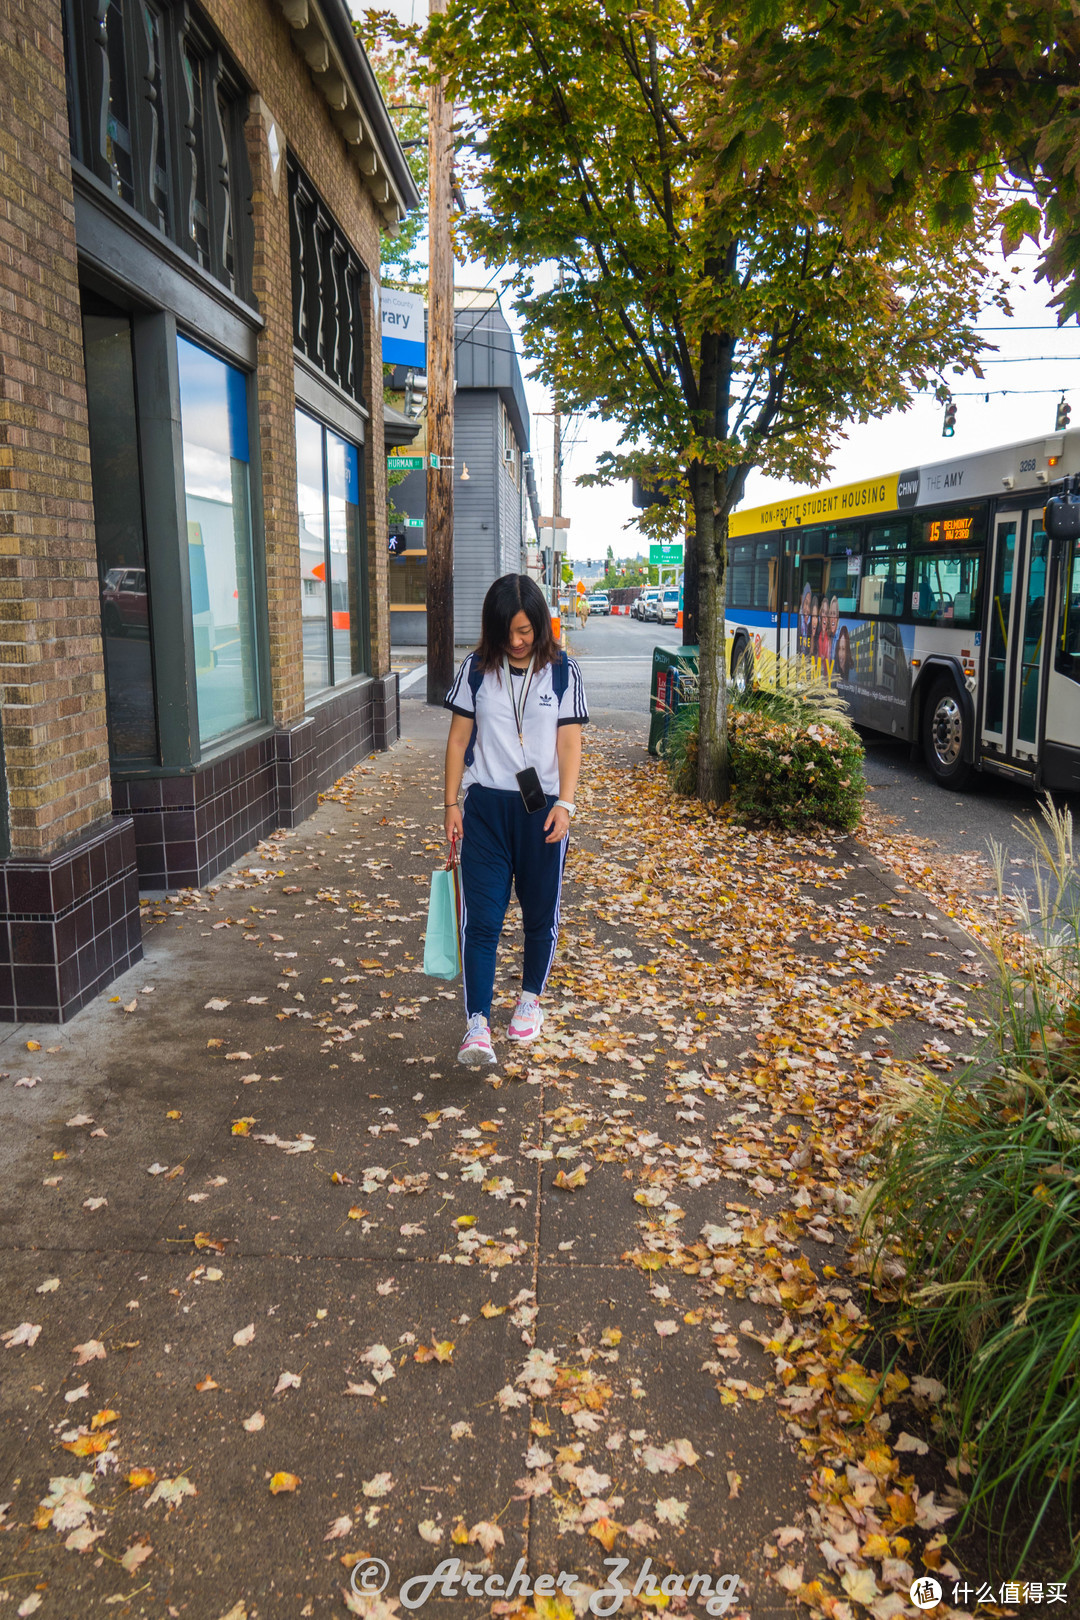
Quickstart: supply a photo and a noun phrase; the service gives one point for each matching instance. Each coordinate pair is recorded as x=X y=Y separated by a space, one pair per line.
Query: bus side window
x=882 y=588
x=1068 y=657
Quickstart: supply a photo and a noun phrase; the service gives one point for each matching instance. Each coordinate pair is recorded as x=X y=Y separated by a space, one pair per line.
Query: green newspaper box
x=674 y=683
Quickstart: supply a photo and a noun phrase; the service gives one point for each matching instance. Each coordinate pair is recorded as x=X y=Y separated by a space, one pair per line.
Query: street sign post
x=404 y=463
x=666 y=556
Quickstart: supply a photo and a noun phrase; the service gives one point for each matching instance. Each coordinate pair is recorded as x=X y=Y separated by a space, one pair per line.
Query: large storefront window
x=333 y=603
x=121 y=537
x=213 y=407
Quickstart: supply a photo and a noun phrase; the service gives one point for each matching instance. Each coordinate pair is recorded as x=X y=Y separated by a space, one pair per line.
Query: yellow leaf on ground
x=100 y=1419
x=572 y=1182
x=442 y=1350
x=283 y=1482
x=140 y=1477
x=87 y=1445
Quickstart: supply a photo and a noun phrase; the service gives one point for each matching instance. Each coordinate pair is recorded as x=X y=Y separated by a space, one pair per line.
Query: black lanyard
x=519 y=708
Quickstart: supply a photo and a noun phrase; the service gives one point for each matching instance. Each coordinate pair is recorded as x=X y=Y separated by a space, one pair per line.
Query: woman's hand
x=558 y=822
x=453 y=823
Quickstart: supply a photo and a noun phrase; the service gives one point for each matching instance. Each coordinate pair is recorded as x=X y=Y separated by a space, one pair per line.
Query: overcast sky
x=1024 y=380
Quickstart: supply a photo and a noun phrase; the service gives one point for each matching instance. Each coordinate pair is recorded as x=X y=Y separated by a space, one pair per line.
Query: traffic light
x=948 y=427
x=1064 y=411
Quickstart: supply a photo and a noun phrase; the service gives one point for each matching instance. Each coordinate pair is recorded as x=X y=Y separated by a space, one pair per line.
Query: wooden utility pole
x=556 y=487
x=440 y=394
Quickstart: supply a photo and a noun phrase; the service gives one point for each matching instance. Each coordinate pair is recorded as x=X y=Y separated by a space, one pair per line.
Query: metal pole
x=440 y=395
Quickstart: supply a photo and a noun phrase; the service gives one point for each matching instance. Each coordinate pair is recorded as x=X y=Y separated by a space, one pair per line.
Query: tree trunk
x=712 y=681
x=691 y=588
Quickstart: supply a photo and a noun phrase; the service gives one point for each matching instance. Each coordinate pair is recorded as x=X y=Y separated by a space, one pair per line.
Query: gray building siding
x=476 y=507
x=488 y=505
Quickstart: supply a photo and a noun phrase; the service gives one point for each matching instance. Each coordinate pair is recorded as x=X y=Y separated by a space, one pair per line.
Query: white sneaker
x=476 y=1049
x=528 y=1018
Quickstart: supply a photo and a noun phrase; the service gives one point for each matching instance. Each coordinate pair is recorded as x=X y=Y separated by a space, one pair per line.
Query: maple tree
x=928 y=97
x=712 y=312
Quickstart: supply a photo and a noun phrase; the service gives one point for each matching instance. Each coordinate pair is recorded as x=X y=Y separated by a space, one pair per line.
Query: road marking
x=411 y=680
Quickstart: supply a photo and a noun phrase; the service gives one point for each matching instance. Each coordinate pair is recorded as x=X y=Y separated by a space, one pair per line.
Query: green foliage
x=795 y=774
x=712 y=312
x=925 y=103
x=622 y=575
x=979 y=1192
x=680 y=750
x=400 y=79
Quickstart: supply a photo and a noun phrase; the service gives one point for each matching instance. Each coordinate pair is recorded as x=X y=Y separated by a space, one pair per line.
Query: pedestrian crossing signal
x=948 y=427
x=1064 y=411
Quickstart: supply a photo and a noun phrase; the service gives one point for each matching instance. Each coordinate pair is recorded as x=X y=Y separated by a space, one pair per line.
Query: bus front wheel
x=944 y=736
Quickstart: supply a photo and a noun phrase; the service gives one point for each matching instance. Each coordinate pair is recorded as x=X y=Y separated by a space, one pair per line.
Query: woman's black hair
x=509 y=596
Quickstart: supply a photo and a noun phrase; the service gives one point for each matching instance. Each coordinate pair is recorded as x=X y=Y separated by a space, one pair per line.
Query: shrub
x=680 y=750
x=795 y=773
x=979 y=1191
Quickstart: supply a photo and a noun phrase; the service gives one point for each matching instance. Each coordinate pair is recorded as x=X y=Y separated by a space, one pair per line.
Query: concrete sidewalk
x=259 y=1226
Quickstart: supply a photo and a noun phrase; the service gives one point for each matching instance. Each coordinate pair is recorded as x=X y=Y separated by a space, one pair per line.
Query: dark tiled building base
x=69 y=925
x=189 y=828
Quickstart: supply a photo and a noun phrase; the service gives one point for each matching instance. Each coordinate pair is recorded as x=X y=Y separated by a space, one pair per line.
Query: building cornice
x=323 y=34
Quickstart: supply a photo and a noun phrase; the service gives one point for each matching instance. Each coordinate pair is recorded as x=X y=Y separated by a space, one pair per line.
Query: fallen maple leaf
x=205 y=1384
x=283 y=1482
x=487 y=1535
x=668 y=1459
x=139 y=1478
x=339 y=1528
x=254 y=1423
x=92 y=1350
x=244 y=1336
x=26 y=1333
x=671 y=1511
x=87 y=1445
x=101 y=1419
x=49 y=1286
x=136 y=1554
x=429 y=1531
x=570 y=1183
x=287 y=1380
x=666 y=1329
x=442 y=1350
x=171 y=1491
x=381 y=1485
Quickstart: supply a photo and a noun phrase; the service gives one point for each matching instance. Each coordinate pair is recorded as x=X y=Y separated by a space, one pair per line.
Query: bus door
x=1016 y=643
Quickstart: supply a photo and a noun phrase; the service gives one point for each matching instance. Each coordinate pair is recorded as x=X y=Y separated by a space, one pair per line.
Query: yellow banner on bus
x=817 y=506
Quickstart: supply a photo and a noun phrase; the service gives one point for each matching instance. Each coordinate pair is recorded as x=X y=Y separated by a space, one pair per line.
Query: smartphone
x=532 y=794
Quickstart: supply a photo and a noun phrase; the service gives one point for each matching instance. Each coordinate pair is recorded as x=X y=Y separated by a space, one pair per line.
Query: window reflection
x=121 y=539
x=213 y=407
x=333 y=601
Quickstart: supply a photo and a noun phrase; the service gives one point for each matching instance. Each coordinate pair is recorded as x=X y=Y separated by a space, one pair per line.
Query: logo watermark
x=453 y=1578
x=927 y=1593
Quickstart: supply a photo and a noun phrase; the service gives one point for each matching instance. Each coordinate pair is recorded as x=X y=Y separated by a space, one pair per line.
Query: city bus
x=934 y=603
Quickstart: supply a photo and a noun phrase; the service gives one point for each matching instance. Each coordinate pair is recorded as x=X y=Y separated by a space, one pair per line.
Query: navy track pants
x=503 y=844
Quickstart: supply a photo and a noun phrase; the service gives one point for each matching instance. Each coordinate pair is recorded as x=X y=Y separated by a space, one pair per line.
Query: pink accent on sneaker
x=527 y=1021
x=476 y=1049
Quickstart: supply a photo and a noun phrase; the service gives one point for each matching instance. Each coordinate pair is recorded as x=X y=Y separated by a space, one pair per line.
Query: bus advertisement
x=934 y=602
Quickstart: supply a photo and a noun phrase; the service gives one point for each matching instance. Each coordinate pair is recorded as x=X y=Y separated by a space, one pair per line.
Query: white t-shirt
x=497 y=753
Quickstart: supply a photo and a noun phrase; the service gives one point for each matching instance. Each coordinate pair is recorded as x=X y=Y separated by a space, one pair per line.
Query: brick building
x=194 y=625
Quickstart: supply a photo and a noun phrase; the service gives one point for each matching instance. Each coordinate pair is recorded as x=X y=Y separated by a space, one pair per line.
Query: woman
x=843 y=654
x=518 y=707
x=802 y=643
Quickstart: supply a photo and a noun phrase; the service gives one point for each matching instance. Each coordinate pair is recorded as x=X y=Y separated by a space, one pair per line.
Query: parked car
x=598 y=602
x=123 y=601
x=646 y=601
x=669 y=604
